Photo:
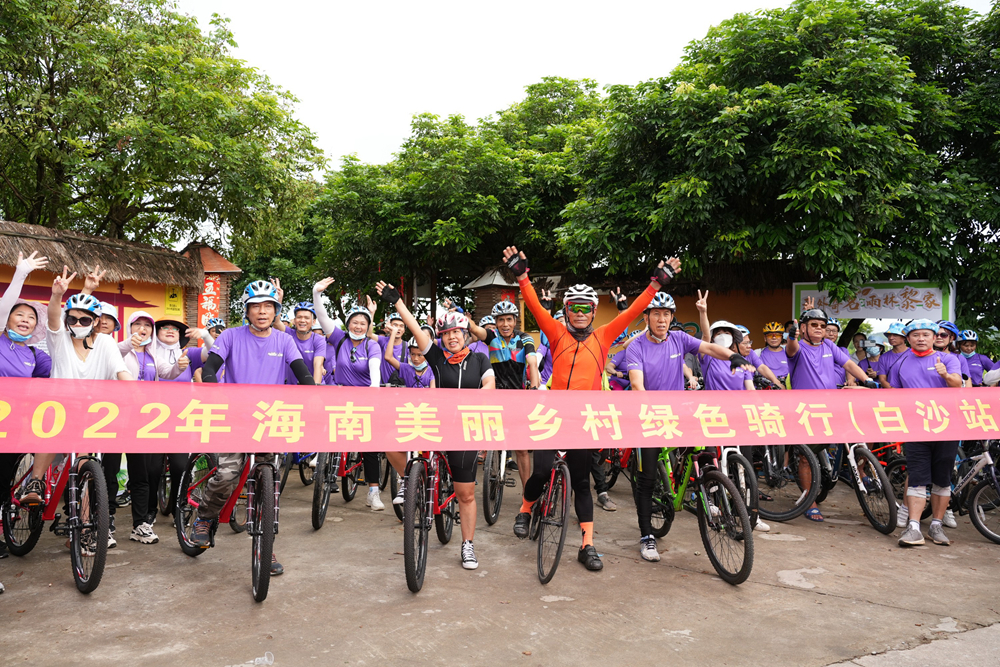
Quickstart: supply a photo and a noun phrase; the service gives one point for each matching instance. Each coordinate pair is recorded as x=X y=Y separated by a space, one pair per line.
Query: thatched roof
x=123 y=260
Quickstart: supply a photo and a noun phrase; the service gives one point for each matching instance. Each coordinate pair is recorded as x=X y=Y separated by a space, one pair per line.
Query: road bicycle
x=866 y=474
x=291 y=460
x=616 y=461
x=257 y=475
x=496 y=477
x=549 y=518
x=79 y=482
x=429 y=497
x=689 y=478
x=739 y=469
x=782 y=471
x=163 y=488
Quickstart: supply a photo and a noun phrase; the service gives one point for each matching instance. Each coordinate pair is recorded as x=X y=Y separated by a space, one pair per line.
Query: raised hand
x=665 y=271
x=545 y=298
x=31 y=263
x=809 y=303
x=619 y=299
x=61 y=283
x=702 y=303
x=322 y=285
x=277 y=288
x=183 y=362
x=387 y=292
x=940 y=367
x=370 y=305
x=448 y=303
x=515 y=261
x=93 y=280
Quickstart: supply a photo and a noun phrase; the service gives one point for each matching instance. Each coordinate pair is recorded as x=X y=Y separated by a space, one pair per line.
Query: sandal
x=814 y=514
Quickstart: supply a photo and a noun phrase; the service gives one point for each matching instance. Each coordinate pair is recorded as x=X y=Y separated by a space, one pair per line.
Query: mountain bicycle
x=781 y=473
x=863 y=472
x=495 y=478
x=291 y=460
x=80 y=481
x=429 y=497
x=549 y=519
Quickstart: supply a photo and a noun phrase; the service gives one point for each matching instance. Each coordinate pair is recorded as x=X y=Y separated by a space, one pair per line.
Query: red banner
x=39 y=415
x=209 y=300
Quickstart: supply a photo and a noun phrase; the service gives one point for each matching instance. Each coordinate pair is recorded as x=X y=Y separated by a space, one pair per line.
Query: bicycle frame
x=56 y=481
x=342 y=469
x=983 y=460
x=433 y=462
x=691 y=471
x=249 y=464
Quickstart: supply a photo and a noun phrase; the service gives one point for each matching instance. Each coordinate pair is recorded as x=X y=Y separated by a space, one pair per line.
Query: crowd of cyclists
x=307 y=346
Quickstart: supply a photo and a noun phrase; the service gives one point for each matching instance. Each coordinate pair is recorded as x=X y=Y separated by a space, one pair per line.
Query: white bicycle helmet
x=84 y=302
x=580 y=294
x=451 y=321
x=662 y=300
x=489 y=319
x=359 y=310
x=260 y=291
x=504 y=308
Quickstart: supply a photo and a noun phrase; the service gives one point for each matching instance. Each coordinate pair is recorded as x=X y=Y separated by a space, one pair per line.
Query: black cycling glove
x=663 y=274
x=546 y=303
x=791 y=331
x=390 y=295
x=736 y=361
x=517 y=265
x=621 y=302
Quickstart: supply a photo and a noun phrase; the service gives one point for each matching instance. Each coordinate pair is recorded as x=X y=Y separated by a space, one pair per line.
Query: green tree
x=124 y=120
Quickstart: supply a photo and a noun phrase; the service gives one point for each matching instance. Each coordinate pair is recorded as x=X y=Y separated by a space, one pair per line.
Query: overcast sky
x=361 y=70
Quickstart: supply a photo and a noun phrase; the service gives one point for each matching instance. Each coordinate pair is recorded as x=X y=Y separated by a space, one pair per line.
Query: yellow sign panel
x=174 y=304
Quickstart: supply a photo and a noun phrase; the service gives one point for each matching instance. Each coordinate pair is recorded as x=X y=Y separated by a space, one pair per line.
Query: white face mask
x=723 y=339
x=420 y=367
x=81 y=332
x=145 y=341
x=355 y=336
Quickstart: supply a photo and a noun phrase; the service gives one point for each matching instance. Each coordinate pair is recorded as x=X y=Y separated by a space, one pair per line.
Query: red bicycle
x=615 y=461
x=80 y=480
x=429 y=497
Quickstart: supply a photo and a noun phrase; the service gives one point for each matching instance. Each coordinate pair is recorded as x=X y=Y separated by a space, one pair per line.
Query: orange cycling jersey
x=579 y=364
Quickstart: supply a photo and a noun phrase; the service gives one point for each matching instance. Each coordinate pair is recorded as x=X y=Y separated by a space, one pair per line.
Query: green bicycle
x=722 y=514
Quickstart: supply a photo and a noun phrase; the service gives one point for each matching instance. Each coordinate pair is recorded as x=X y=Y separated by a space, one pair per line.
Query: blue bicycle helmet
x=560 y=315
x=395 y=316
x=304 y=305
x=896 y=328
x=489 y=319
x=215 y=323
x=949 y=327
x=834 y=321
x=968 y=334
x=743 y=330
x=359 y=310
x=260 y=291
x=917 y=325
x=662 y=300
x=84 y=302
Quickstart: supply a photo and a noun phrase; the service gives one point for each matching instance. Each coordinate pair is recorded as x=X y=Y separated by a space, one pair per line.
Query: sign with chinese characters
x=174 y=304
x=41 y=415
x=209 y=301
x=894 y=300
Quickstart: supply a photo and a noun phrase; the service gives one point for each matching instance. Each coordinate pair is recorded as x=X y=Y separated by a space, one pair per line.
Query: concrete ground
x=819 y=594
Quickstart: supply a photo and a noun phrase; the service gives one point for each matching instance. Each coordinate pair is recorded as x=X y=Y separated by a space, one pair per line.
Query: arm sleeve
x=212 y=367
x=166 y=370
x=321 y=314
x=298 y=367
x=546 y=323
x=11 y=294
x=615 y=327
x=375 y=370
x=125 y=346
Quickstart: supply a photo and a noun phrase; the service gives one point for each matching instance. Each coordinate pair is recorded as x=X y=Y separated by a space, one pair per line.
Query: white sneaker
x=762 y=527
x=399 y=499
x=902 y=516
x=469 y=561
x=647 y=549
x=374 y=500
x=949 y=519
x=143 y=533
x=112 y=542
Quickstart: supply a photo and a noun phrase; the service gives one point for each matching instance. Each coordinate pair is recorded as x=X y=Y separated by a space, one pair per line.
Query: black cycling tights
x=644 y=482
x=578 y=462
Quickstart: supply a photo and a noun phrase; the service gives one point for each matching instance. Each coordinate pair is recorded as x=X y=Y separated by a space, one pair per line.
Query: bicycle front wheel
x=307 y=473
x=662 y=517
x=163 y=489
x=552 y=523
x=287 y=460
x=89 y=538
x=349 y=482
x=875 y=494
x=21 y=526
x=725 y=527
x=416 y=526
x=787 y=489
x=493 y=484
x=321 y=491
x=238 y=519
x=984 y=509
x=263 y=531
x=444 y=522
x=190 y=494
x=741 y=473
x=383 y=471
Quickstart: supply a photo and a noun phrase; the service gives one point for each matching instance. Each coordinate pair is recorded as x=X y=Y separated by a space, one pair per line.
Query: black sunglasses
x=354 y=358
x=82 y=321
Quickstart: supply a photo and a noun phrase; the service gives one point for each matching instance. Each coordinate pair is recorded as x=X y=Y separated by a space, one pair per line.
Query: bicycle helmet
x=286 y=318
x=112 y=312
x=317 y=327
x=560 y=315
x=723 y=324
x=949 y=327
x=813 y=314
x=774 y=327
x=304 y=305
x=394 y=316
x=968 y=334
x=429 y=330
x=413 y=344
x=743 y=330
x=358 y=310
x=580 y=294
x=834 y=321
x=896 y=328
x=260 y=291
x=662 y=300
x=84 y=302
x=452 y=321
x=215 y=323
x=917 y=325
x=504 y=308
x=489 y=319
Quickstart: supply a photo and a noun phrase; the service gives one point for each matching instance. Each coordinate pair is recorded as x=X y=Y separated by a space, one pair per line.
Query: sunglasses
x=584 y=308
x=82 y=321
x=942 y=334
x=354 y=358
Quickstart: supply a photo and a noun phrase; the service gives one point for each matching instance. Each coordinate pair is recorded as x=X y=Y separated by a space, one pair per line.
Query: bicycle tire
x=896 y=473
x=306 y=472
x=383 y=471
x=663 y=503
x=287 y=461
x=879 y=503
x=444 y=523
x=349 y=482
x=827 y=482
x=263 y=532
x=731 y=528
x=397 y=508
x=790 y=500
x=321 y=489
x=21 y=526
x=985 y=498
x=185 y=513
x=552 y=523
x=533 y=527
x=92 y=494
x=238 y=518
x=632 y=468
x=614 y=468
x=416 y=528
x=163 y=488
x=493 y=485
x=742 y=474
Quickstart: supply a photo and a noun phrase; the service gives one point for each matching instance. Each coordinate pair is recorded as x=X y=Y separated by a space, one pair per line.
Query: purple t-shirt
x=21 y=361
x=866 y=364
x=662 y=364
x=194 y=356
x=621 y=365
x=353 y=373
x=913 y=372
x=776 y=360
x=978 y=364
x=887 y=360
x=814 y=366
x=409 y=375
x=476 y=346
x=329 y=364
x=251 y=359
x=718 y=374
x=147 y=367
x=308 y=348
x=397 y=350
